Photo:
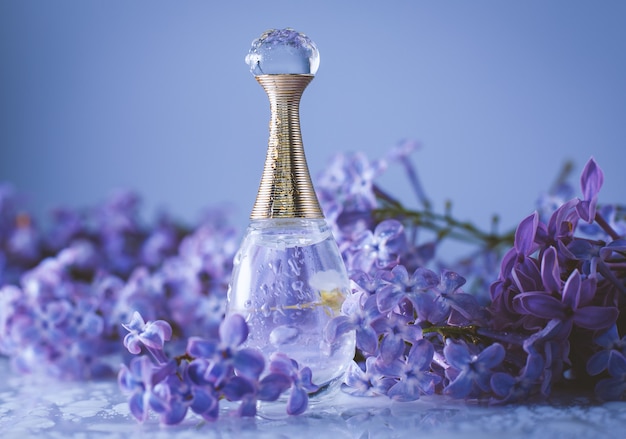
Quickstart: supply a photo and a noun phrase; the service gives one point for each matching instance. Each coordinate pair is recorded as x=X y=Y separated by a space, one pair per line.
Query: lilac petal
x=156 y=333
x=457 y=355
x=367 y=339
x=527 y=277
x=465 y=304
x=247 y=408
x=617 y=365
x=534 y=367
x=137 y=406
x=196 y=371
x=233 y=330
x=249 y=362
x=525 y=234
x=451 y=281
x=337 y=327
x=298 y=401
x=160 y=398
x=174 y=415
x=591 y=181
x=598 y=362
x=425 y=279
x=587 y=291
x=136 y=323
x=57 y=311
x=388 y=297
x=237 y=387
x=595 y=317
x=539 y=304
x=272 y=386
x=610 y=389
x=203 y=401
x=491 y=356
x=125 y=379
x=200 y=348
x=404 y=391
x=132 y=343
x=571 y=290
x=92 y=325
x=394 y=368
x=607 y=338
x=282 y=364
x=391 y=347
x=306 y=380
x=421 y=355
x=502 y=383
x=460 y=387
x=550 y=271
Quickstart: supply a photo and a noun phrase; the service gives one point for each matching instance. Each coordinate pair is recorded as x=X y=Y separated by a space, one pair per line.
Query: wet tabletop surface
x=34 y=407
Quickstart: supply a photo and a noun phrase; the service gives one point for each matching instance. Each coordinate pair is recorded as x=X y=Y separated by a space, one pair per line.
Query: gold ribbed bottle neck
x=286 y=190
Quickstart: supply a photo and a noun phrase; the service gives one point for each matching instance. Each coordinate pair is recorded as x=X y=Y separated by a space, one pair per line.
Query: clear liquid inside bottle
x=288 y=282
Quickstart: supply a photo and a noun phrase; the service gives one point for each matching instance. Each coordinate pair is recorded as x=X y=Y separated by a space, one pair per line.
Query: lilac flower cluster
x=209 y=371
x=552 y=313
x=524 y=311
x=65 y=291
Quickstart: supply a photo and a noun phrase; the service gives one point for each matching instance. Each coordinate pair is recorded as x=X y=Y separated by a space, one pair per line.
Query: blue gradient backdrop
x=155 y=96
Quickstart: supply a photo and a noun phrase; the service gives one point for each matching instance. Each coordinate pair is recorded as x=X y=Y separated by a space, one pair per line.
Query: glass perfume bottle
x=289 y=279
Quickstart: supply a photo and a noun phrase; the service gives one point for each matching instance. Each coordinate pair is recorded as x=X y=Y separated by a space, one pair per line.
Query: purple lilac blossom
x=66 y=290
x=470 y=373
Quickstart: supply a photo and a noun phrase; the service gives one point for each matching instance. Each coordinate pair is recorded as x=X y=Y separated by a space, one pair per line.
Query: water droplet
x=294 y=265
x=284 y=335
x=247 y=303
x=283 y=51
x=266 y=310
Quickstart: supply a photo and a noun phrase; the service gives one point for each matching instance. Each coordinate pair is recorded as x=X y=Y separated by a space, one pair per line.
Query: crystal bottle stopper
x=284 y=62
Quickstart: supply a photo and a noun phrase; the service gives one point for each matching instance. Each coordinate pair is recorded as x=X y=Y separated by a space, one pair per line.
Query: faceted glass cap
x=283 y=51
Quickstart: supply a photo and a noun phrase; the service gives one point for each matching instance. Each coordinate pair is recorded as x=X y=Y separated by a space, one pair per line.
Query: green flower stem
x=444 y=225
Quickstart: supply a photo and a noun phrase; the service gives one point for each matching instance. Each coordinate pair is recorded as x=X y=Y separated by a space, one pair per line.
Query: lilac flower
x=462 y=308
x=66 y=225
x=347 y=195
x=250 y=391
x=161 y=243
x=152 y=335
x=510 y=388
x=574 y=306
x=597 y=258
x=469 y=374
x=348 y=182
x=204 y=376
x=414 y=376
x=611 y=389
x=368 y=381
x=378 y=249
x=23 y=243
x=142 y=293
x=610 y=342
x=139 y=379
x=360 y=317
x=398 y=286
x=395 y=331
x=233 y=332
x=554 y=348
x=550 y=201
x=590 y=181
x=299 y=381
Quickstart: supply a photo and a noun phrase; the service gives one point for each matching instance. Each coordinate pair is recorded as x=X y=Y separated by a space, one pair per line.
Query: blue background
x=155 y=96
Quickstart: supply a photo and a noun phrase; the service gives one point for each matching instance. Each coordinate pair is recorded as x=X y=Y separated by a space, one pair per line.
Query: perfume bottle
x=289 y=279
